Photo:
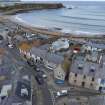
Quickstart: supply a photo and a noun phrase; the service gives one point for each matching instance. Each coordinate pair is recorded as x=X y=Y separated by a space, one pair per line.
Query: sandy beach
x=56 y=32
x=46 y=31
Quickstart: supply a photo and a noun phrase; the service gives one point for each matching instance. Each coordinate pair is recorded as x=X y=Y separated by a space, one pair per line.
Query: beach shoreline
x=75 y=33
x=46 y=31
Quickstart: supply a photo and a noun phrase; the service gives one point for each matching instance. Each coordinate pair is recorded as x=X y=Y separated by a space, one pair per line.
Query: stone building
x=59 y=74
x=87 y=74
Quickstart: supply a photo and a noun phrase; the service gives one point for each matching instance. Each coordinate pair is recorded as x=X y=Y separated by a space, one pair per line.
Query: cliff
x=16 y=8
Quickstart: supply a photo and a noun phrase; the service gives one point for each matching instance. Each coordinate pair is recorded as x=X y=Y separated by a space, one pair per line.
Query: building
x=87 y=74
x=5 y=91
x=24 y=49
x=46 y=56
x=94 y=56
x=92 y=47
x=60 y=44
x=31 y=51
x=62 y=70
x=59 y=74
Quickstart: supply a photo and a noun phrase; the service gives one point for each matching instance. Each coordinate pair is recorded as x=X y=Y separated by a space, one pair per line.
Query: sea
x=84 y=17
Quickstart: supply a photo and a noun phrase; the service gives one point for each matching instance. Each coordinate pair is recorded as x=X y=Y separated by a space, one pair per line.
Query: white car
x=62 y=93
x=10 y=46
x=44 y=76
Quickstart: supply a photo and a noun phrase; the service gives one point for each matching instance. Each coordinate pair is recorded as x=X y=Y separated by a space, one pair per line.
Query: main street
x=15 y=56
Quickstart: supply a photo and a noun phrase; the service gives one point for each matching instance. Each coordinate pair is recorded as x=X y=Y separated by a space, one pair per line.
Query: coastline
x=64 y=31
x=57 y=31
x=24 y=7
x=46 y=31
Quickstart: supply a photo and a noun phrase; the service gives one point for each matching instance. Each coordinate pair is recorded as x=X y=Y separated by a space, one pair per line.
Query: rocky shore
x=24 y=7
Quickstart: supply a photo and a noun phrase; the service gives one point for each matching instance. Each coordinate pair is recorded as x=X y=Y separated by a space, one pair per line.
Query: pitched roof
x=51 y=57
x=25 y=46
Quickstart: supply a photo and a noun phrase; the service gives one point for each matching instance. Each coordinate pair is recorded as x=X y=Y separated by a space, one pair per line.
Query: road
x=46 y=95
x=47 y=100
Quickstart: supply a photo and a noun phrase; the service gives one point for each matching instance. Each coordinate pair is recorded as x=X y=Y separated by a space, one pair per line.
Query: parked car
x=10 y=46
x=38 y=69
x=49 y=66
x=61 y=93
x=39 y=79
x=30 y=62
x=34 y=67
x=80 y=66
x=43 y=74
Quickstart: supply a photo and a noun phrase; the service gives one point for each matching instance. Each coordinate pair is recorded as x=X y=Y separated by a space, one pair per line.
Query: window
x=93 y=79
x=76 y=75
x=91 y=84
x=92 y=69
x=100 y=89
x=84 y=76
x=83 y=84
x=75 y=81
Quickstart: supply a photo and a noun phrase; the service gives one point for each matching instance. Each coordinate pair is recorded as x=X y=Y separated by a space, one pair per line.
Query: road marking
x=52 y=96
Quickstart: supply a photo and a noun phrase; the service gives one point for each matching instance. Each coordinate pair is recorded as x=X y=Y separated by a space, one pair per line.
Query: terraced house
x=88 y=69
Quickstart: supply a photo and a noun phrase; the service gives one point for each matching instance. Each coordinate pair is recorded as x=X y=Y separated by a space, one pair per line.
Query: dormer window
x=92 y=69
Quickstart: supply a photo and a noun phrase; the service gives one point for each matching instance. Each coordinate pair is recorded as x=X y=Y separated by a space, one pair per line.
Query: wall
x=77 y=81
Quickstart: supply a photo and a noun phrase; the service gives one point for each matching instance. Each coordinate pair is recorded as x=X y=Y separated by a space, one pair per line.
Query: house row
x=50 y=59
x=30 y=51
x=88 y=68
